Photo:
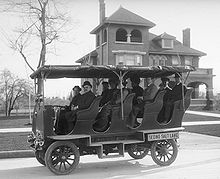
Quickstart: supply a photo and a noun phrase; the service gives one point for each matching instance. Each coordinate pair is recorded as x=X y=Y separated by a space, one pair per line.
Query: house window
x=157 y=60
x=97 y=40
x=104 y=38
x=176 y=60
x=129 y=59
x=121 y=35
x=167 y=43
x=136 y=36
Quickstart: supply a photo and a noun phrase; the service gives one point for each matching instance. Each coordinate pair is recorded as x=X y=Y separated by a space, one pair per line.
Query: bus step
x=111 y=151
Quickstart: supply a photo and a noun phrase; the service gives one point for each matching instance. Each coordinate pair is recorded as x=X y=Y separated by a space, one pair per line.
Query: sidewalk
x=10 y=130
x=203 y=113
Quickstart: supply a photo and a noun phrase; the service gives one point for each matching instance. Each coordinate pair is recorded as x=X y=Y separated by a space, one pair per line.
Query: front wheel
x=164 y=152
x=62 y=157
x=40 y=157
x=138 y=151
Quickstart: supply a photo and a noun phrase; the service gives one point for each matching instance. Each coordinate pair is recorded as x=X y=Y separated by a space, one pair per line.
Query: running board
x=102 y=151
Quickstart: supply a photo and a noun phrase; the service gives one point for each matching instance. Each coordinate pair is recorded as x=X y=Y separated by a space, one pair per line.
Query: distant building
x=124 y=38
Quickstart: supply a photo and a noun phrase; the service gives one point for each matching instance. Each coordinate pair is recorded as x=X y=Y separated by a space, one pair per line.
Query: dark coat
x=85 y=100
x=108 y=95
x=150 y=93
x=138 y=92
x=75 y=100
x=168 y=94
x=177 y=92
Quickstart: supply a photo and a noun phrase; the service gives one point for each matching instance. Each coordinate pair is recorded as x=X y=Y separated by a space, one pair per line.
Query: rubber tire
x=52 y=147
x=154 y=153
x=131 y=152
x=39 y=158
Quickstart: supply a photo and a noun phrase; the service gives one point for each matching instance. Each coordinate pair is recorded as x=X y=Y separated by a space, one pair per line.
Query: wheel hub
x=63 y=157
x=164 y=151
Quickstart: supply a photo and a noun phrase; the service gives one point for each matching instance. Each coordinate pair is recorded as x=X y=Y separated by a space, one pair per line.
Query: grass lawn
x=14 y=123
x=213 y=130
x=193 y=117
x=14 y=141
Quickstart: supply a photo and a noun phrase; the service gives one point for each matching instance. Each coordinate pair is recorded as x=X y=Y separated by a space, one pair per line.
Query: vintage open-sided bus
x=61 y=152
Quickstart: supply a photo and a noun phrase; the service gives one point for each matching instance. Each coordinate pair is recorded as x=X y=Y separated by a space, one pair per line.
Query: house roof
x=164 y=36
x=178 y=48
x=124 y=16
x=91 y=54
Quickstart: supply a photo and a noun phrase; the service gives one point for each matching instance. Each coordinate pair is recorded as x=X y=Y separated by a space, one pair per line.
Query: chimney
x=186 y=37
x=101 y=10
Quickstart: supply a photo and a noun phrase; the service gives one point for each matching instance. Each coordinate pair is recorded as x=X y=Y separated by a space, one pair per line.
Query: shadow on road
x=104 y=169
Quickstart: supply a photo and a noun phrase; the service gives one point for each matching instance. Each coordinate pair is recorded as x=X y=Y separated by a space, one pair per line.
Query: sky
x=170 y=16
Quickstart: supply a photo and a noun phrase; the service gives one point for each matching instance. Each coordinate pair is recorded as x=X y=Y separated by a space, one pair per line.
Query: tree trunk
x=43 y=36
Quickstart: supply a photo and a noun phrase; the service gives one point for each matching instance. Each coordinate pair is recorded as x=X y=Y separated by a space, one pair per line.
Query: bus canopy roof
x=101 y=71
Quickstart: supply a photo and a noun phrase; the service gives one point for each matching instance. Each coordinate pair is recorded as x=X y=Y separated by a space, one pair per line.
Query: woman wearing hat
x=76 y=95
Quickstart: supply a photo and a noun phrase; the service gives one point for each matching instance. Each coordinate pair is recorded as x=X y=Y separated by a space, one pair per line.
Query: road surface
x=198 y=157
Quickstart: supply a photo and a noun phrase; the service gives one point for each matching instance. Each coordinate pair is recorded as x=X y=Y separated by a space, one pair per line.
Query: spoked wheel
x=164 y=152
x=39 y=154
x=138 y=151
x=62 y=157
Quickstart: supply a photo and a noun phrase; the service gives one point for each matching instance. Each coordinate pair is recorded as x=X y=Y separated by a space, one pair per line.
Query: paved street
x=198 y=157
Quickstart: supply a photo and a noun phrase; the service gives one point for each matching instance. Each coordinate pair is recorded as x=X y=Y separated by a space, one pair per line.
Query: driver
x=76 y=96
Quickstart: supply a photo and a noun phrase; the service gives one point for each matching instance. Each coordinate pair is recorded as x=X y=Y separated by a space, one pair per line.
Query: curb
x=16 y=154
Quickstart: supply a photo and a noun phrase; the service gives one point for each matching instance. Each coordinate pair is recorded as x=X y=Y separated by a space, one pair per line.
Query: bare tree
x=12 y=88
x=43 y=25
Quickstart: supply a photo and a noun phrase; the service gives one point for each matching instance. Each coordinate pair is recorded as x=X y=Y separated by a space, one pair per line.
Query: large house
x=124 y=38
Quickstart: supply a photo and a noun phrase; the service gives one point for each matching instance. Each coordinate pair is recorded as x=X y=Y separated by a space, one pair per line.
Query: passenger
x=174 y=95
x=84 y=101
x=87 y=97
x=104 y=116
x=135 y=81
x=165 y=86
x=105 y=90
x=109 y=93
x=125 y=92
x=125 y=89
x=108 y=99
x=165 y=113
x=150 y=91
x=148 y=96
x=179 y=89
x=105 y=87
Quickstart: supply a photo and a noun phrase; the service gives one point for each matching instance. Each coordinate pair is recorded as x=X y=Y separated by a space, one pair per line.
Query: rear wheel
x=62 y=157
x=164 y=152
x=138 y=151
x=39 y=154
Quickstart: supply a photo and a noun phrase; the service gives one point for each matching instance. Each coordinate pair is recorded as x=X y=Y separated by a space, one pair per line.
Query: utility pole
x=29 y=105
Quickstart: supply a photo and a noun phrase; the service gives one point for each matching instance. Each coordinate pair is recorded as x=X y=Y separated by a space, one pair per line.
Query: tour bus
x=61 y=152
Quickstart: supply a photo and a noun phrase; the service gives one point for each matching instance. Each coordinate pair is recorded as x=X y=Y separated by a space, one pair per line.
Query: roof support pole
x=121 y=76
x=183 y=83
